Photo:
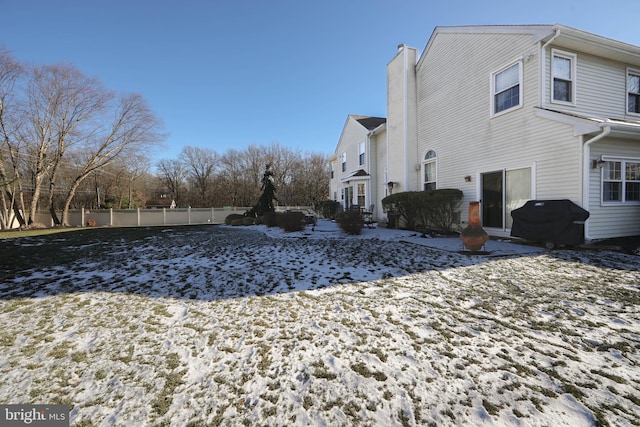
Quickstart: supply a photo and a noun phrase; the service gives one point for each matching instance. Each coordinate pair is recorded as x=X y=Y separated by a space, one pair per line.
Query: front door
x=347 y=197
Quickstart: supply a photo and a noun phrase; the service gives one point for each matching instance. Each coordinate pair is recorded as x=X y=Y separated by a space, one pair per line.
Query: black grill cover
x=556 y=221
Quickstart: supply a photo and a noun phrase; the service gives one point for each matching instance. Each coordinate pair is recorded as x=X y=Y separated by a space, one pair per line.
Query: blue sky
x=229 y=73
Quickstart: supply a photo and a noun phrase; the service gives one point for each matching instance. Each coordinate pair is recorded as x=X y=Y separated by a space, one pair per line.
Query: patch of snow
x=253 y=326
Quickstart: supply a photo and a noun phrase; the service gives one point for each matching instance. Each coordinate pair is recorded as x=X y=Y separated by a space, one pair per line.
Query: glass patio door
x=492 y=199
x=502 y=192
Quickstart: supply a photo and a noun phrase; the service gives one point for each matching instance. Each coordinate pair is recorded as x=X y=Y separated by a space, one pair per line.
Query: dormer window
x=563 y=72
x=633 y=91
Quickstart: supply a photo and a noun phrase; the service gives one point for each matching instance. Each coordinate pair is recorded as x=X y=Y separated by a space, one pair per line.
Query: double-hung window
x=563 y=66
x=621 y=181
x=343 y=158
x=361 y=153
x=507 y=88
x=633 y=91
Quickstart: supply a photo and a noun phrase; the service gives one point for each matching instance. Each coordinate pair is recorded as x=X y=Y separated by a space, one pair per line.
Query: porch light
x=467 y=178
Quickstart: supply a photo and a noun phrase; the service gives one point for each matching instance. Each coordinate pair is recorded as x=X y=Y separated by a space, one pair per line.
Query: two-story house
x=358 y=165
x=514 y=113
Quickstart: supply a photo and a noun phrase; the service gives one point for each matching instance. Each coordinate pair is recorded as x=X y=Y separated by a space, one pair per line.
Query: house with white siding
x=509 y=114
x=358 y=165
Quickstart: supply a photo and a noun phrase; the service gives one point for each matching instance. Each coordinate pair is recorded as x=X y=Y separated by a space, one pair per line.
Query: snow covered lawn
x=214 y=325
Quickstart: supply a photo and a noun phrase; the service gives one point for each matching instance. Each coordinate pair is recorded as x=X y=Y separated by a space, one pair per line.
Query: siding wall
x=454 y=118
x=600 y=86
x=602 y=218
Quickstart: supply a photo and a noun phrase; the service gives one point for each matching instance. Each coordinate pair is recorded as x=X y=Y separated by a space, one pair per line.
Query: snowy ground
x=214 y=325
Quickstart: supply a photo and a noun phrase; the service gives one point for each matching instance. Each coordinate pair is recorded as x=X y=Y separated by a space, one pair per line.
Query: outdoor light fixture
x=467 y=178
x=390 y=186
x=597 y=163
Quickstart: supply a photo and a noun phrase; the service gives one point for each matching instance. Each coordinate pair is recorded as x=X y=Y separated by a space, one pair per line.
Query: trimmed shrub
x=329 y=208
x=269 y=219
x=291 y=221
x=406 y=204
x=350 y=221
x=434 y=209
x=247 y=220
x=232 y=217
x=441 y=209
x=237 y=222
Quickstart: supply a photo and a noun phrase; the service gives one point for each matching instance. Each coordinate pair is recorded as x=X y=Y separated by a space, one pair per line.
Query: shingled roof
x=371 y=122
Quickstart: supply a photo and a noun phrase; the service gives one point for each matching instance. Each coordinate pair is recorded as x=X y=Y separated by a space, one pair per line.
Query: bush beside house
x=434 y=210
x=330 y=208
x=350 y=221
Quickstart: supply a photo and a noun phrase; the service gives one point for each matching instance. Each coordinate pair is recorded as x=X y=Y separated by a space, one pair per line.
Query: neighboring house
x=358 y=167
x=514 y=113
x=160 y=203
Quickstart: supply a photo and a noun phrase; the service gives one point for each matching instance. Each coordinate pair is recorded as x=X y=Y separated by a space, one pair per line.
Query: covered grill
x=550 y=221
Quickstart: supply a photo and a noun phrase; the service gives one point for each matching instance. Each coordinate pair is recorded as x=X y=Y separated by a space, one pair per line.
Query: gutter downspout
x=586 y=153
x=543 y=65
x=369 y=155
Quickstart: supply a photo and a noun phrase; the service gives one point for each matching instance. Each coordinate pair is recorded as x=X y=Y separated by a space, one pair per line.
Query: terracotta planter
x=474 y=237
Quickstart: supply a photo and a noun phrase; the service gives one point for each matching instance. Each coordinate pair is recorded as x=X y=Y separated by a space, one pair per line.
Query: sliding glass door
x=502 y=192
x=493 y=199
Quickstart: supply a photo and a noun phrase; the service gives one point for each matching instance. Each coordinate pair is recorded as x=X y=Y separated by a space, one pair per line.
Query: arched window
x=429 y=171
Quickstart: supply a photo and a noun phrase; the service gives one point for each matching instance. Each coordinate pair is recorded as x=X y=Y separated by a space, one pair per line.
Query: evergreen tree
x=265 y=202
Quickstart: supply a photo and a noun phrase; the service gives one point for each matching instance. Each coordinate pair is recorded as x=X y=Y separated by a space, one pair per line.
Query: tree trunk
x=37 y=187
x=64 y=220
x=52 y=208
x=16 y=209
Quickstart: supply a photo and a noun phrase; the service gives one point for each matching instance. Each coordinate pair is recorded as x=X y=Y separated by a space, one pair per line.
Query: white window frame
x=520 y=65
x=361 y=194
x=432 y=160
x=636 y=73
x=623 y=181
x=343 y=159
x=361 y=153
x=574 y=59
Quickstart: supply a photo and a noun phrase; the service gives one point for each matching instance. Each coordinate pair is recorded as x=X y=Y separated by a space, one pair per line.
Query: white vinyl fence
x=144 y=217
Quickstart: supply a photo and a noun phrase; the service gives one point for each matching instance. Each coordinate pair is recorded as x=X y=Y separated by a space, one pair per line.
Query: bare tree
x=133 y=128
x=282 y=160
x=312 y=179
x=172 y=175
x=201 y=165
x=10 y=73
x=61 y=106
x=235 y=181
x=136 y=167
